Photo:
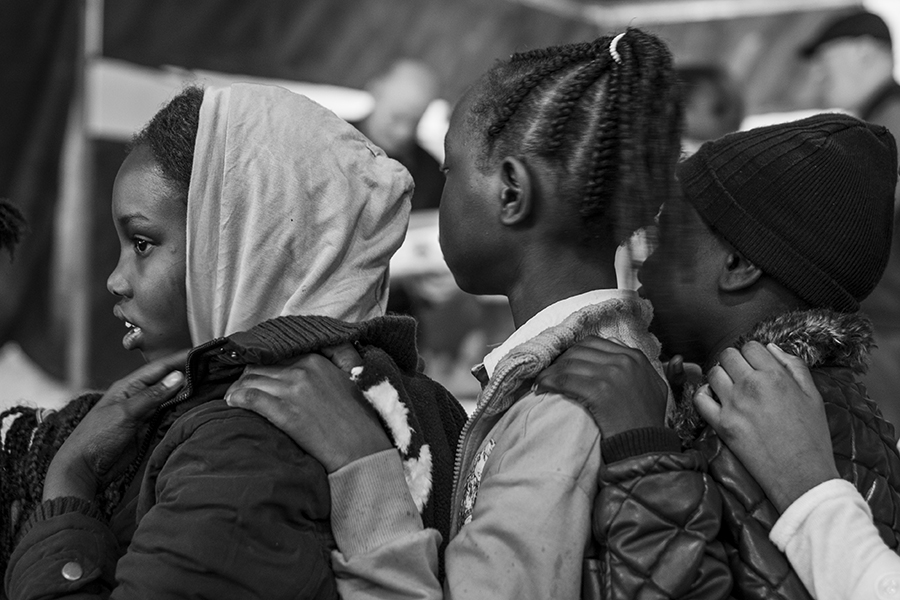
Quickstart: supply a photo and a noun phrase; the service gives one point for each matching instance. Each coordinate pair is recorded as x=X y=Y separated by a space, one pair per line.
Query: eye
x=141 y=246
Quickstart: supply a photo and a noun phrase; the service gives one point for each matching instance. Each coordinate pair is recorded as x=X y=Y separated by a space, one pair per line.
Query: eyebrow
x=132 y=217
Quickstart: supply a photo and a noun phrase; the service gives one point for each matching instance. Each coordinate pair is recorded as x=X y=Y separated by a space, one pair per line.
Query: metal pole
x=74 y=224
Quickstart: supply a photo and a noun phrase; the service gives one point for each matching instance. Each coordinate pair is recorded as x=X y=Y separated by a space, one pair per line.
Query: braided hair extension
x=12 y=225
x=609 y=127
x=32 y=439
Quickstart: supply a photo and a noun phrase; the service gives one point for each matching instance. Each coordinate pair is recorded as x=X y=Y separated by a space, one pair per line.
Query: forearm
x=383 y=550
x=830 y=540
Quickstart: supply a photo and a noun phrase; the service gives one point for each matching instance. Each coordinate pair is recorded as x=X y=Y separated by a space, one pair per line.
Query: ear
x=516 y=199
x=737 y=273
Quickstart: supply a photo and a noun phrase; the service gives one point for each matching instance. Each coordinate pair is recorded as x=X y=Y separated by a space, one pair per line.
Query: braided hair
x=33 y=436
x=12 y=225
x=604 y=116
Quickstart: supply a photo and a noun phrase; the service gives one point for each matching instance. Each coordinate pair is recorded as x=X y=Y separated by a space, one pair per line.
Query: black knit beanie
x=809 y=202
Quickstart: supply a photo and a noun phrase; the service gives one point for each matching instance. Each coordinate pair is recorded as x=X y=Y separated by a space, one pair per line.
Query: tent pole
x=75 y=214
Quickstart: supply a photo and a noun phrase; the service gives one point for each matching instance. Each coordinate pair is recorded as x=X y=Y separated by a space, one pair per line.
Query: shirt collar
x=549 y=317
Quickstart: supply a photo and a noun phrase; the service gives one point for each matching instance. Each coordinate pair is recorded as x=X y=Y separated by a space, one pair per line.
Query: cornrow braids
x=12 y=225
x=607 y=127
x=171 y=134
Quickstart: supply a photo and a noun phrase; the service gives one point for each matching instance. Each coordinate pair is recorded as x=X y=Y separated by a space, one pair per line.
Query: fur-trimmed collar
x=820 y=337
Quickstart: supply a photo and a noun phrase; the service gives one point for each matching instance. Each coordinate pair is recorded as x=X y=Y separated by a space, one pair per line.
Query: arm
x=658 y=513
x=772 y=417
x=828 y=536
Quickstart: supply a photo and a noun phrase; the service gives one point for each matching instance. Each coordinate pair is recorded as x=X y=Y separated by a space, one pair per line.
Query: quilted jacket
x=667 y=522
x=835 y=347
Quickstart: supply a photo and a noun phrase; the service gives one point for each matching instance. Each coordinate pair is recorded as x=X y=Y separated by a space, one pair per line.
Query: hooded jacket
x=664 y=536
x=252 y=518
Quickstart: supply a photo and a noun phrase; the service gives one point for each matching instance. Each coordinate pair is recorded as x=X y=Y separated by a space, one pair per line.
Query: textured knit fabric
x=809 y=202
x=290 y=211
x=229 y=506
x=835 y=347
x=828 y=536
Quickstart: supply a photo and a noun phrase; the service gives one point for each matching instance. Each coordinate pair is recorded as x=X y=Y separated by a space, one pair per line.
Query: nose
x=117 y=283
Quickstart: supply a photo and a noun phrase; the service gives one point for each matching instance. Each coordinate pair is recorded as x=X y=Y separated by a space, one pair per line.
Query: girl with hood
x=234 y=206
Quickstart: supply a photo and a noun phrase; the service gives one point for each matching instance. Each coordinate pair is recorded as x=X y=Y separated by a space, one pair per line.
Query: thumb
x=709 y=409
x=142 y=404
x=796 y=367
x=344 y=356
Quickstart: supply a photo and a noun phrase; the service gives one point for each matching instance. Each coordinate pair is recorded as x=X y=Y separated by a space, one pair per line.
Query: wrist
x=67 y=478
x=801 y=481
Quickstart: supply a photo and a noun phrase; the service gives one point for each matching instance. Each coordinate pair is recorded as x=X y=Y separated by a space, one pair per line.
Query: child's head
x=241 y=204
x=149 y=209
x=773 y=219
x=592 y=126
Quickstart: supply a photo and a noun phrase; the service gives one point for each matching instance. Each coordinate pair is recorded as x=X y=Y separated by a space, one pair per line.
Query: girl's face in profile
x=150 y=217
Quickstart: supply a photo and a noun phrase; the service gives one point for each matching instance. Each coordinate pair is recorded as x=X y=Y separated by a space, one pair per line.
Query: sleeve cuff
x=795 y=515
x=635 y=442
x=371 y=504
x=60 y=506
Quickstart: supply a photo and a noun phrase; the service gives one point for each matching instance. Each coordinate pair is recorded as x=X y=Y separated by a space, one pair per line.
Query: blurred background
x=80 y=76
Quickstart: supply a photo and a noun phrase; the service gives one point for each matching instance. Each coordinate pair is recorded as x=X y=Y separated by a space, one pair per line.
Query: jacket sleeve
x=530 y=524
x=383 y=551
x=656 y=519
x=831 y=542
x=235 y=510
x=66 y=551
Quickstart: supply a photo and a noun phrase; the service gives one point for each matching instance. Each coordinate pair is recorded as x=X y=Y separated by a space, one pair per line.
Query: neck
x=770 y=301
x=542 y=287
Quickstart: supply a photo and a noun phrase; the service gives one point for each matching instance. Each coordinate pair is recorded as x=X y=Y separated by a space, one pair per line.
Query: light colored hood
x=291 y=211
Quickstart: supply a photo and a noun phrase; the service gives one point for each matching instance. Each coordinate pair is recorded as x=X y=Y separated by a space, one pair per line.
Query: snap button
x=889 y=586
x=72 y=571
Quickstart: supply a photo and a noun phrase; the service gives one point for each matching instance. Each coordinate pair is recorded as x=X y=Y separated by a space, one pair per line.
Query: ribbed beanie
x=809 y=202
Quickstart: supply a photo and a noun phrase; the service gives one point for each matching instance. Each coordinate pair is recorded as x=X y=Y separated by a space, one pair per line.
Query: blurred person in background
x=854 y=57
x=401 y=95
x=713 y=104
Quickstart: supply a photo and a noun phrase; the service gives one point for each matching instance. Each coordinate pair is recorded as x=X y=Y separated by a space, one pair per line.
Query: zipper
x=487 y=399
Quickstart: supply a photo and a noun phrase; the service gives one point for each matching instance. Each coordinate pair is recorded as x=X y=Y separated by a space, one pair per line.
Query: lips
x=134 y=336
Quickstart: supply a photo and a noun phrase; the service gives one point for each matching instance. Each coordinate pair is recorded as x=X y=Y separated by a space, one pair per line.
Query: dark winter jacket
x=228 y=506
x=666 y=520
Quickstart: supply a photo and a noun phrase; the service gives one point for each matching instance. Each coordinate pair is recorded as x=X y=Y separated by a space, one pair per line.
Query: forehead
x=141 y=189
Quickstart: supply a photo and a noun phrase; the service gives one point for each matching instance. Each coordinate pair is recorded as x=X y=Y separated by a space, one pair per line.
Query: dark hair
x=608 y=126
x=12 y=226
x=31 y=441
x=171 y=134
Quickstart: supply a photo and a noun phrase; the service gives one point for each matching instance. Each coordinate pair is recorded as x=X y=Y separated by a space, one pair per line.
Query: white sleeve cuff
x=796 y=514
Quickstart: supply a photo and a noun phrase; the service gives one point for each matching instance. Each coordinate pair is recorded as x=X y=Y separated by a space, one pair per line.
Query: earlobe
x=515 y=192
x=737 y=273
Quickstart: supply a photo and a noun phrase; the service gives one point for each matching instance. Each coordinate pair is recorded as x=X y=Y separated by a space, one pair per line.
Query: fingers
x=720 y=382
x=344 y=356
x=142 y=404
x=150 y=374
x=796 y=367
x=259 y=401
x=707 y=406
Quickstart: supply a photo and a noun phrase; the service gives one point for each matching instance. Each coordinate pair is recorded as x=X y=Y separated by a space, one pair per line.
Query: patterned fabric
x=473 y=481
x=656 y=519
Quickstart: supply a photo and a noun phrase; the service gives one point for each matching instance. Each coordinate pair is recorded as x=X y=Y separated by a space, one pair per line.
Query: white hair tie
x=612 y=47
